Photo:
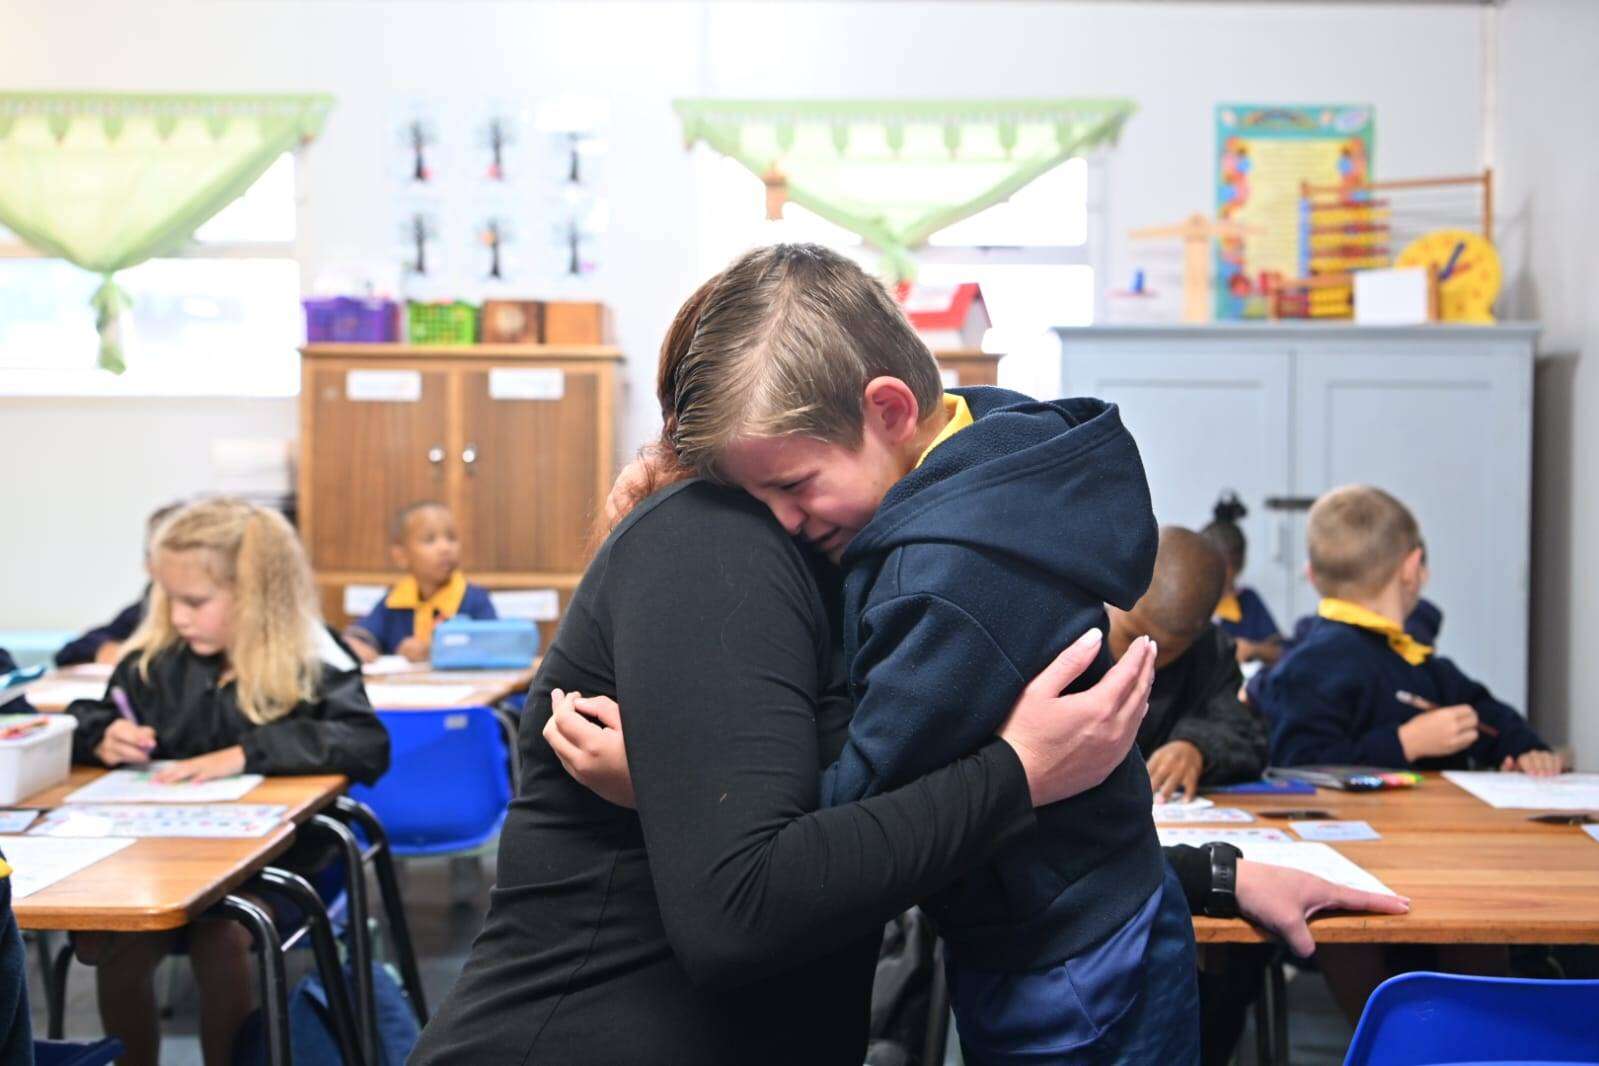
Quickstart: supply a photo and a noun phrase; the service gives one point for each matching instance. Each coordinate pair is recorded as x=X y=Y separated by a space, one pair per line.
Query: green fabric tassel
x=110 y=301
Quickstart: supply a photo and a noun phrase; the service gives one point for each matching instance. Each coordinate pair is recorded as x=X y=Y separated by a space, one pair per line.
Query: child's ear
x=890 y=409
x=1412 y=568
x=397 y=556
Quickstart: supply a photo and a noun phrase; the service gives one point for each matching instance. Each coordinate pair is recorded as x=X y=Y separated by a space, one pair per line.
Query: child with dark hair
x=1240 y=612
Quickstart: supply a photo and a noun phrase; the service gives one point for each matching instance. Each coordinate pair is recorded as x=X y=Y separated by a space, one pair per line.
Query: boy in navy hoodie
x=980 y=532
x=1358 y=687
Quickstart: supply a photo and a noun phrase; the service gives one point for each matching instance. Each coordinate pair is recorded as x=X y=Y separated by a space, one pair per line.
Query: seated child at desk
x=103 y=644
x=16 y=1027
x=1358 y=688
x=426 y=546
x=1196 y=730
x=231 y=671
x=1240 y=612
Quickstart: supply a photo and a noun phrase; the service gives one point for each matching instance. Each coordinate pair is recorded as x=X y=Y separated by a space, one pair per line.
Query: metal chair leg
x=274 y=980
x=933 y=1045
x=360 y=932
x=393 y=906
x=319 y=926
x=1278 y=983
x=53 y=970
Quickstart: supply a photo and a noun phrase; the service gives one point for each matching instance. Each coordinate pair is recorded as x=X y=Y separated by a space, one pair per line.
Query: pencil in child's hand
x=124 y=708
x=1421 y=703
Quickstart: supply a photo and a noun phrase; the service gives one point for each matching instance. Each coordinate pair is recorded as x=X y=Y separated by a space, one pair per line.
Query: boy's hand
x=1068 y=744
x=363 y=651
x=1175 y=767
x=1280 y=900
x=223 y=763
x=123 y=742
x=109 y=653
x=1440 y=732
x=1536 y=763
x=413 y=648
x=592 y=753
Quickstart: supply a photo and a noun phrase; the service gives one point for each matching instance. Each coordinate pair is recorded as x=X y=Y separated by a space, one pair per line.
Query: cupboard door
x=1449 y=434
x=1206 y=420
x=534 y=450
x=374 y=440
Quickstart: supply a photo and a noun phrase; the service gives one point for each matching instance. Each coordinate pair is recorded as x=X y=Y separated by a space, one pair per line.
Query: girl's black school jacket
x=336 y=733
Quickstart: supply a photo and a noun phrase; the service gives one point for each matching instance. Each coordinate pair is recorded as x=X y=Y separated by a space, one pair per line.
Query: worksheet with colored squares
x=161 y=820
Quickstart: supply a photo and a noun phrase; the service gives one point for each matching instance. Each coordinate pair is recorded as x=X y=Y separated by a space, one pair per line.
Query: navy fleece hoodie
x=977 y=569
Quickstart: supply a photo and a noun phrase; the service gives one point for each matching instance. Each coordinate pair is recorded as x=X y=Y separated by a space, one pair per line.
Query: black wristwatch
x=1222 y=899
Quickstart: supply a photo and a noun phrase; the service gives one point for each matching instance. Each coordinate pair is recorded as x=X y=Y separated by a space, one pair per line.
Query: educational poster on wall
x=1263 y=154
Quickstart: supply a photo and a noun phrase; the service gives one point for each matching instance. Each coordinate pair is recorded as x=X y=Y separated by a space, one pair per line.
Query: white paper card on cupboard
x=526 y=383
x=383 y=386
x=535 y=605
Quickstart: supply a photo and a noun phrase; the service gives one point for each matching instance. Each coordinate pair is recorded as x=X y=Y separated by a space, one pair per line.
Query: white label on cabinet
x=360 y=599
x=535 y=605
x=950 y=378
x=383 y=386
x=522 y=383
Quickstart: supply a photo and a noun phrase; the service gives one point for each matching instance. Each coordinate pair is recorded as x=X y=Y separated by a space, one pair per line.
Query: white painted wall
x=1420 y=66
x=1548 y=154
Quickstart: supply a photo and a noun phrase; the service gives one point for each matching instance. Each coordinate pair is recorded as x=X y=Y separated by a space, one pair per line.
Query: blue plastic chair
x=449 y=780
x=1436 y=1019
x=69 y=1053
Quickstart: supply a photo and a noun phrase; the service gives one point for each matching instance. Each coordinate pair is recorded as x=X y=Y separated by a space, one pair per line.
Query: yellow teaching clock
x=1468 y=272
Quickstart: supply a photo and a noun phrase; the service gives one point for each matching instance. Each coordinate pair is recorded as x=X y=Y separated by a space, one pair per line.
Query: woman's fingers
x=1069 y=665
x=601 y=708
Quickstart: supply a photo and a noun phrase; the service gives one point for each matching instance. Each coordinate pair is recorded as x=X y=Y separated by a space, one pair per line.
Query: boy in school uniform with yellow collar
x=1358 y=688
x=428 y=548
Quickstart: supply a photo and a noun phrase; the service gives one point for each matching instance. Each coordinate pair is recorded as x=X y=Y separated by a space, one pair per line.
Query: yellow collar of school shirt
x=1229 y=609
x=444 y=602
x=5 y=868
x=960 y=416
x=1404 y=645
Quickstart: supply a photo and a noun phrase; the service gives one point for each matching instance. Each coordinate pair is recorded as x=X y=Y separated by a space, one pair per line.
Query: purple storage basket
x=346 y=318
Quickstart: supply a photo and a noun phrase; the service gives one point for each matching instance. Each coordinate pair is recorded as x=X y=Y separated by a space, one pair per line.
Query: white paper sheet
x=1591 y=830
x=16 y=821
x=39 y=862
x=401 y=697
x=136 y=786
x=1332 y=832
x=1169 y=813
x=56 y=692
x=1243 y=838
x=1318 y=859
x=388 y=665
x=162 y=820
x=1518 y=791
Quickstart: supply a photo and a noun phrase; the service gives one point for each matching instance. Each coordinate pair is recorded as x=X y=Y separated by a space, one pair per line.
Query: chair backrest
x=448 y=782
x=1425 y=1019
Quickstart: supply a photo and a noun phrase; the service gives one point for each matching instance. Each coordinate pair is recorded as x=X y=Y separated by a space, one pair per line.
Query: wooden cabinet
x=519 y=441
x=1441 y=416
x=968 y=366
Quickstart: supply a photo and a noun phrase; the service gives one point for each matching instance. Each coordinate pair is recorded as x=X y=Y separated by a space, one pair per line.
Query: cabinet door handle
x=436 y=454
x=469 y=456
x=1289 y=503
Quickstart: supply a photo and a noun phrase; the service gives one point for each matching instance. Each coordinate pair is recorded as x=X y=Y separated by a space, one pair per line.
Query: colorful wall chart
x=1263 y=153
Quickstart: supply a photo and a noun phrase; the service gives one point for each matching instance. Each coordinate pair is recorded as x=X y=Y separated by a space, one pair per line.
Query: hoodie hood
x=1057 y=485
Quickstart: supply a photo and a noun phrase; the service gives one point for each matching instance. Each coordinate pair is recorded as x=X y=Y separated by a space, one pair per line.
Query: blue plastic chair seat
x=1434 y=1019
x=71 y=1053
x=448 y=783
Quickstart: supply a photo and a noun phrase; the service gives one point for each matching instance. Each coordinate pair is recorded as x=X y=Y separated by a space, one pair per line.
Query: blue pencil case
x=1267 y=788
x=485 y=644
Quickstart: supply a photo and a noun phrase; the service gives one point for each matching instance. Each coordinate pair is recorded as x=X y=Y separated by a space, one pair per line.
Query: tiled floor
x=444 y=931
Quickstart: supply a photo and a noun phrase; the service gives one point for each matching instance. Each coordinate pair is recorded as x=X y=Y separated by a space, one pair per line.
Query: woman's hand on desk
x=1281 y=901
x=586 y=735
x=223 y=763
x=124 y=742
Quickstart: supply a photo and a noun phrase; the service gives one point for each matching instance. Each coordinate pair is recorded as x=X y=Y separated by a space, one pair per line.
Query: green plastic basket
x=441 y=323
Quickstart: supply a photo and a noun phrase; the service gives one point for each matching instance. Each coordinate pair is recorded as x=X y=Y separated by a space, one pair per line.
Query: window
x=220 y=319
x=1037 y=255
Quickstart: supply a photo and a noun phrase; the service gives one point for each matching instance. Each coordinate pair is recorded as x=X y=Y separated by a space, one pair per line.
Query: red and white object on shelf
x=946 y=317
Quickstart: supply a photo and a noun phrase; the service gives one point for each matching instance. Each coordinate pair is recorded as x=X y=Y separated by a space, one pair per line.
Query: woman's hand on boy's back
x=124 y=742
x=585 y=732
x=223 y=763
x=1069 y=744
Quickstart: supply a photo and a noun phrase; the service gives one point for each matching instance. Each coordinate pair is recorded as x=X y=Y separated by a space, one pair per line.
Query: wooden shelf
x=553 y=352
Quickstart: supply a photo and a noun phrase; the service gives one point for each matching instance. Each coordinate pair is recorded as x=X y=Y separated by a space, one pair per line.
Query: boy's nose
x=790 y=517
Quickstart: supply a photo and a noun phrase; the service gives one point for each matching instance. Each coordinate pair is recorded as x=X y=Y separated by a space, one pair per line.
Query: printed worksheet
x=158 y=820
x=1241 y=838
x=140 y=786
x=1318 y=859
x=39 y=862
x=1168 y=813
x=16 y=821
x=1518 y=791
x=1333 y=832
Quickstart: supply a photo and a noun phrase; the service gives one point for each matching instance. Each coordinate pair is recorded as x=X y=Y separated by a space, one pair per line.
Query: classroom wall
x=1420 y=66
x=1549 y=238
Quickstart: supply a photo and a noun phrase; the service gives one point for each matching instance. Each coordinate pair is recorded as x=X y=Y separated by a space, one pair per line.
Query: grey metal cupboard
x=1441 y=416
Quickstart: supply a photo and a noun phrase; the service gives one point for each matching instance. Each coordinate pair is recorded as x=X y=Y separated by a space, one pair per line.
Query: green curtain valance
x=108 y=180
x=897 y=171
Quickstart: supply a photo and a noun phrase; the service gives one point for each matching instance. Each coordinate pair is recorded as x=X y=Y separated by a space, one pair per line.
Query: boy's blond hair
x=785 y=342
x=252 y=552
x=1357 y=537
